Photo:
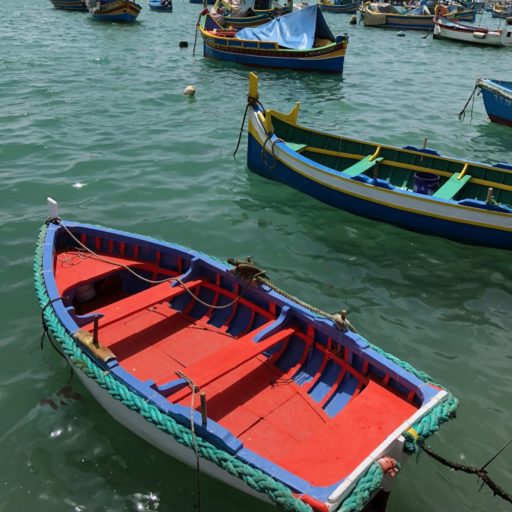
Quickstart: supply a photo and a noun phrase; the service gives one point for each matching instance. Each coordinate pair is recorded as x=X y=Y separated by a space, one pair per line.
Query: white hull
x=475 y=36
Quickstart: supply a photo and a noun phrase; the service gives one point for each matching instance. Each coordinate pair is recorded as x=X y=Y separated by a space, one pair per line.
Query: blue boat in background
x=124 y=11
x=339 y=6
x=497 y=96
x=70 y=5
x=160 y=5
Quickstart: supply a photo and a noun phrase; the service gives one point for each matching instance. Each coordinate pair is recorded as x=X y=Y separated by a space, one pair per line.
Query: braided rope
x=254 y=478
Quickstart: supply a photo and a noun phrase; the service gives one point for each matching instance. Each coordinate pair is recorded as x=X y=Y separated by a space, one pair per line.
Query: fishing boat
x=124 y=11
x=453 y=31
x=215 y=366
x=497 y=95
x=299 y=40
x=339 y=6
x=160 y=5
x=248 y=13
x=70 y=5
x=385 y=15
x=415 y=188
x=201 y=2
x=502 y=10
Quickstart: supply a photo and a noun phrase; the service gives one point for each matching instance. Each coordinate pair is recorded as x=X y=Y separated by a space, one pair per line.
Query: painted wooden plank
x=451 y=187
x=361 y=166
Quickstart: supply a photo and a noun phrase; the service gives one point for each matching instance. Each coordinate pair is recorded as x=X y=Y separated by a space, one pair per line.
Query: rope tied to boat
x=462 y=113
x=251 y=101
x=248 y=271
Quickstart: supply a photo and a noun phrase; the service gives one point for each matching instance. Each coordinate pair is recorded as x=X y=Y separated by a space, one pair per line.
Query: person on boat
x=441 y=10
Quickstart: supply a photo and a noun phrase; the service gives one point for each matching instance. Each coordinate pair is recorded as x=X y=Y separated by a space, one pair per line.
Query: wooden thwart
x=363 y=165
x=451 y=187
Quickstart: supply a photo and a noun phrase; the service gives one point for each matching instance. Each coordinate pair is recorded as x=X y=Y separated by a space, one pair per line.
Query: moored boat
x=497 y=95
x=411 y=187
x=248 y=13
x=216 y=367
x=385 y=15
x=299 y=40
x=339 y=6
x=70 y=5
x=453 y=31
x=502 y=10
x=124 y=11
x=160 y=5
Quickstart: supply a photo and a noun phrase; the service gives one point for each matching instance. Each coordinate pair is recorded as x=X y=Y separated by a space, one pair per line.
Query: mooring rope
x=462 y=113
x=250 y=101
x=473 y=470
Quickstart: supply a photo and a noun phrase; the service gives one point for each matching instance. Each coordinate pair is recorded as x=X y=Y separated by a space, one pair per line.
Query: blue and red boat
x=497 y=95
x=215 y=366
x=70 y=5
x=416 y=188
x=299 y=40
x=124 y=11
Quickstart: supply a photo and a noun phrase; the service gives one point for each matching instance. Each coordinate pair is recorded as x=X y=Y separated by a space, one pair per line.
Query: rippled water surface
x=93 y=115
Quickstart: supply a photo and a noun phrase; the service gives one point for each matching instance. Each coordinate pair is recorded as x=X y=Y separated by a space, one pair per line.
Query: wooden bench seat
x=296 y=147
x=450 y=188
x=229 y=357
x=142 y=300
x=361 y=166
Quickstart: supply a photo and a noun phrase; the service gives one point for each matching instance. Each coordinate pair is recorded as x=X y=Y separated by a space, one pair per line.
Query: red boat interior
x=296 y=396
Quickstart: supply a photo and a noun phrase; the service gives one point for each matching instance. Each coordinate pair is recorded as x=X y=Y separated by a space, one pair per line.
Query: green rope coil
x=366 y=485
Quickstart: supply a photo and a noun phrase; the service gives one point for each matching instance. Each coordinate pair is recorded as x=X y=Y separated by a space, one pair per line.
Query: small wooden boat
x=502 y=10
x=70 y=5
x=497 y=96
x=226 y=373
x=453 y=31
x=414 y=188
x=160 y=5
x=248 y=13
x=299 y=40
x=124 y=11
x=339 y=6
x=209 y=2
x=385 y=15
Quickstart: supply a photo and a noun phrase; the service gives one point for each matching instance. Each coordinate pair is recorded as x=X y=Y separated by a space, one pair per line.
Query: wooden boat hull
x=156 y=5
x=200 y=2
x=342 y=8
x=497 y=97
x=465 y=220
x=123 y=11
x=70 y=5
x=411 y=22
x=471 y=35
x=284 y=385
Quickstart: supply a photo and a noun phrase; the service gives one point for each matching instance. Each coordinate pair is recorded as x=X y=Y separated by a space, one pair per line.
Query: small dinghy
x=216 y=367
x=453 y=31
x=70 y=5
x=124 y=11
x=160 y=5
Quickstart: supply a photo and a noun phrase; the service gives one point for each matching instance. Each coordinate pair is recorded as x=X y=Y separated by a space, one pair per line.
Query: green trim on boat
x=451 y=187
x=296 y=147
x=362 y=166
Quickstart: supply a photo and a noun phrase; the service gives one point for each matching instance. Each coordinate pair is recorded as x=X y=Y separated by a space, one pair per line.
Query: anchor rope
x=261 y=482
x=250 y=101
x=462 y=113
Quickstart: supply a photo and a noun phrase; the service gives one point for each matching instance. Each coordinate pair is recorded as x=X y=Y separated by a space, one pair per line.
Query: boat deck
x=272 y=395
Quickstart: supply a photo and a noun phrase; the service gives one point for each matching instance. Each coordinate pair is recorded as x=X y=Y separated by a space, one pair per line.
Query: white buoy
x=53 y=208
x=190 y=90
x=400 y=34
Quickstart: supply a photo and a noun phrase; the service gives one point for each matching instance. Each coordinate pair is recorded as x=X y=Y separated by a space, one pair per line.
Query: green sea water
x=93 y=115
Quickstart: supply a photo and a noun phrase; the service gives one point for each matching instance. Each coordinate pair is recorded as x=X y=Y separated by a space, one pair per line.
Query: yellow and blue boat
x=248 y=13
x=415 y=188
x=299 y=40
x=124 y=11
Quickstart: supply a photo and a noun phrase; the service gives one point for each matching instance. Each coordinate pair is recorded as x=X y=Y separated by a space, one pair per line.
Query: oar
x=427 y=34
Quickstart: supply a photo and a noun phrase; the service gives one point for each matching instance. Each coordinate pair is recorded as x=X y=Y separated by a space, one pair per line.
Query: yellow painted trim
x=413 y=433
x=253 y=86
x=253 y=132
x=375 y=155
x=463 y=172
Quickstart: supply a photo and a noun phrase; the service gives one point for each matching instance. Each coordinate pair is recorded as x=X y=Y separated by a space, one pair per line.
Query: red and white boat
x=454 y=31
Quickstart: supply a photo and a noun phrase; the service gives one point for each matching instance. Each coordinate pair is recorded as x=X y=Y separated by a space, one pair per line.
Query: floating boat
x=227 y=373
x=209 y=2
x=70 y=5
x=411 y=187
x=339 y=6
x=124 y=11
x=160 y=5
x=385 y=15
x=299 y=40
x=502 y=10
x=453 y=31
x=248 y=13
x=497 y=96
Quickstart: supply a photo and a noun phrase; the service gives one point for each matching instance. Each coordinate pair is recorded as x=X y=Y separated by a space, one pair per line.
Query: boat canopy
x=296 y=30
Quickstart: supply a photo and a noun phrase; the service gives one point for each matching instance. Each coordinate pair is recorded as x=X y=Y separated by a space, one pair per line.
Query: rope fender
x=253 y=477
